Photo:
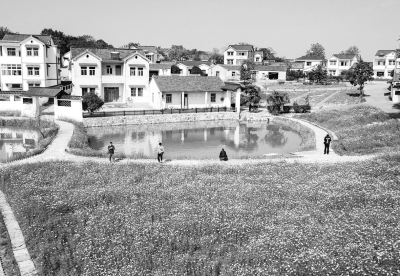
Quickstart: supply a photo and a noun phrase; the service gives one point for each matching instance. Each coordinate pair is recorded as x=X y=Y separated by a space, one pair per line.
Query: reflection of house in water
x=15 y=142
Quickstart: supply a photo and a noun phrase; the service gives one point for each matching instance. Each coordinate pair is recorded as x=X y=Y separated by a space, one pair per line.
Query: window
x=84 y=90
x=230 y=53
x=118 y=70
x=16 y=86
x=343 y=63
x=36 y=52
x=11 y=69
x=332 y=62
x=392 y=62
x=11 y=52
x=133 y=71
x=27 y=101
x=5 y=98
x=148 y=57
x=17 y=98
x=380 y=62
x=133 y=92
x=46 y=51
x=233 y=73
x=64 y=103
x=1 y=51
x=140 y=92
x=380 y=74
x=217 y=74
x=230 y=61
x=92 y=71
x=83 y=71
x=34 y=84
x=308 y=63
x=36 y=69
x=213 y=96
x=241 y=53
x=109 y=70
x=31 y=51
x=140 y=72
x=168 y=98
x=257 y=59
x=30 y=71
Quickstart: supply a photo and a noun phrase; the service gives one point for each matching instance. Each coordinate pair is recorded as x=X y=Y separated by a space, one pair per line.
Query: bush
x=296 y=107
x=91 y=102
x=290 y=78
x=196 y=71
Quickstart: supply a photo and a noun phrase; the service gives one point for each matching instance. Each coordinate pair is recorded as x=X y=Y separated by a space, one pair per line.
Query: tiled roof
x=242 y=47
x=22 y=37
x=342 y=56
x=230 y=67
x=194 y=63
x=69 y=97
x=12 y=92
x=43 y=91
x=188 y=83
x=148 y=49
x=158 y=66
x=270 y=68
x=310 y=58
x=104 y=54
x=297 y=65
x=384 y=52
x=259 y=52
x=231 y=86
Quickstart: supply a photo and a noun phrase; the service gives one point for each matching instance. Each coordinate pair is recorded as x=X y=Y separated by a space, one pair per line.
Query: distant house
x=339 y=62
x=188 y=92
x=395 y=89
x=237 y=54
x=270 y=72
x=384 y=62
x=258 y=56
x=226 y=72
x=186 y=66
x=311 y=62
x=294 y=66
x=159 y=69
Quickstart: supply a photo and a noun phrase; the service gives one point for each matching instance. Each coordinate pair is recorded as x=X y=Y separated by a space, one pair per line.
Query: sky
x=288 y=26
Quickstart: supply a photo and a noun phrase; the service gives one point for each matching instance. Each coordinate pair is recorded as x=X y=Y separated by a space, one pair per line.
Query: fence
x=313 y=89
x=157 y=112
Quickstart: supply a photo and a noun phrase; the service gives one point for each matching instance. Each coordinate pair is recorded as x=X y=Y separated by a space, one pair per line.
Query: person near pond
x=223 y=156
x=111 y=150
x=327 y=143
x=160 y=152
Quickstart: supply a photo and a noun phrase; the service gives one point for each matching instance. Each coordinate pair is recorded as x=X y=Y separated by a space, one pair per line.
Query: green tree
x=4 y=31
x=251 y=95
x=178 y=52
x=318 y=74
x=91 y=102
x=196 y=71
x=316 y=50
x=360 y=74
x=268 y=53
x=352 y=50
x=277 y=99
x=216 y=57
x=245 y=70
x=175 y=69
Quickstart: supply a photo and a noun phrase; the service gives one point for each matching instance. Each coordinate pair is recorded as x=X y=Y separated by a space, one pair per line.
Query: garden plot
x=344 y=97
x=315 y=96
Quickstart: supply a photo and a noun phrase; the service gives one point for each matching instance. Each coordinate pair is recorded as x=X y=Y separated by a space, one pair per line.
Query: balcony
x=112 y=79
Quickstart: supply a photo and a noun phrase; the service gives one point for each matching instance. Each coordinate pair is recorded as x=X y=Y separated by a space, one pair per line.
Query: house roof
x=242 y=47
x=270 y=68
x=12 y=92
x=149 y=49
x=231 y=86
x=310 y=58
x=230 y=67
x=188 y=83
x=384 y=52
x=297 y=65
x=51 y=91
x=193 y=63
x=22 y=37
x=104 y=54
x=343 y=56
x=158 y=66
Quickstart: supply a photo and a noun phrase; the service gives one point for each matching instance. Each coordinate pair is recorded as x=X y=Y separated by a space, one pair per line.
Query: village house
x=269 y=72
x=186 y=67
x=237 y=54
x=310 y=62
x=258 y=56
x=395 y=88
x=226 y=72
x=340 y=62
x=384 y=63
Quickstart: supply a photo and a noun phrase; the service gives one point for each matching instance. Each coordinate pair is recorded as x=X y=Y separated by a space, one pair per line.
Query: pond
x=15 y=142
x=197 y=140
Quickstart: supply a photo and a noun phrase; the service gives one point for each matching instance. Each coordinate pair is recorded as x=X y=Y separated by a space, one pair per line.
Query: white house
x=311 y=62
x=151 y=53
x=339 y=62
x=226 y=72
x=183 y=92
x=383 y=64
x=159 y=69
x=395 y=89
x=258 y=56
x=237 y=54
x=186 y=67
x=269 y=72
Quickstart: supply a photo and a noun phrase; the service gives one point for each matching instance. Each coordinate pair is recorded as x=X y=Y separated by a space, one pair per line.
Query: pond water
x=16 y=142
x=197 y=140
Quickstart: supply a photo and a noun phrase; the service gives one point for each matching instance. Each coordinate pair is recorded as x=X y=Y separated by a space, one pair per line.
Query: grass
x=8 y=263
x=264 y=219
x=10 y=113
x=361 y=130
x=344 y=97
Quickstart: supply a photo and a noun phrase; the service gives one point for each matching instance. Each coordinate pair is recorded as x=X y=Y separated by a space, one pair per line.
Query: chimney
x=115 y=55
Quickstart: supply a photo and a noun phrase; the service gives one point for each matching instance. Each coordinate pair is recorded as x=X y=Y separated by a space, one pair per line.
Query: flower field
x=361 y=129
x=344 y=97
x=265 y=219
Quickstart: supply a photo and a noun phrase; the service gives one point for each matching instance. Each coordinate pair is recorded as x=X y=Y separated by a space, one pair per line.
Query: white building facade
x=384 y=63
x=340 y=62
x=237 y=54
x=310 y=62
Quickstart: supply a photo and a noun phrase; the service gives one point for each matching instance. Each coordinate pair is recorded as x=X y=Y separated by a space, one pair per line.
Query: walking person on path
x=223 y=156
x=160 y=152
x=327 y=142
x=111 y=150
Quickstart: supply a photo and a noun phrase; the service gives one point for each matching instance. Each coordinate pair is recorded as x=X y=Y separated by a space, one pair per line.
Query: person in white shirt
x=160 y=152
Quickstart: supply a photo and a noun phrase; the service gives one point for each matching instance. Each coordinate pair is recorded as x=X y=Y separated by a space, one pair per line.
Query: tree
x=277 y=99
x=316 y=50
x=216 y=57
x=243 y=43
x=177 y=52
x=4 y=31
x=91 y=102
x=245 y=70
x=196 y=57
x=318 y=74
x=268 y=53
x=175 y=69
x=252 y=94
x=352 y=50
x=360 y=74
x=196 y=71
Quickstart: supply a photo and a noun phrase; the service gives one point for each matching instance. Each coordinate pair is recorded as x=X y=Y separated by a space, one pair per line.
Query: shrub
x=196 y=71
x=175 y=69
x=277 y=99
x=91 y=102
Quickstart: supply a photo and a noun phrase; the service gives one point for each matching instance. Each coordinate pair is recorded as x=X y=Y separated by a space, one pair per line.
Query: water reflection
x=16 y=142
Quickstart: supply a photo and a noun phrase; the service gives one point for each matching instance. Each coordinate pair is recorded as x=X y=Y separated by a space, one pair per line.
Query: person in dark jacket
x=327 y=143
x=111 y=150
x=223 y=156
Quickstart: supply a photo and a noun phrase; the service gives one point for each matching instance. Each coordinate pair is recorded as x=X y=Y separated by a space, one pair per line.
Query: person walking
x=223 y=156
x=160 y=152
x=111 y=150
x=327 y=142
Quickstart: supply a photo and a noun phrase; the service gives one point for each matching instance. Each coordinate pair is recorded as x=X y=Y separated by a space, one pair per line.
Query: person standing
x=160 y=152
x=111 y=150
x=327 y=143
x=223 y=156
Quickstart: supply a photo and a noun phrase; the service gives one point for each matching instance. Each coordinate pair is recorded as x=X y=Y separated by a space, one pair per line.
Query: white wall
x=11 y=105
x=73 y=112
x=185 y=70
x=30 y=110
x=137 y=81
x=80 y=81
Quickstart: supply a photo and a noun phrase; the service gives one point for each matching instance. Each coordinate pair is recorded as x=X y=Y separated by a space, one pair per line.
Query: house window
x=133 y=92
x=33 y=84
x=332 y=72
x=233 y=74
x=380 y=74
x=30 y=71
x=230 y=53
x=11 y=52
x=308 y=63
x=83 y=71
x=140 y=92
x=257 y=59
x=16 y=86
x=11 y=69
x=230 y=61
x=332 y=62
x=380 y=63
x=27 y=101
x=133 y=71
x=109 y=70
x=46 y=51
x=36 y=69
x=30 y=51
x=392 y=62
x=140 y=72
x=213 y=96
x=92 y=71
x=86 y=90
x=168 y=98
x=17 y=98
x=148 y=57
x=36 y=52
x=343 y=63
x=1 y=51
x=241 y=53
x=217 y=74
x=64 y=103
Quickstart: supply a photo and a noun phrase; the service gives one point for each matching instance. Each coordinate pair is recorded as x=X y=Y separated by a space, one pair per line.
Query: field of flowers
x=265 y=219
x=361 y=129
x=344 y=97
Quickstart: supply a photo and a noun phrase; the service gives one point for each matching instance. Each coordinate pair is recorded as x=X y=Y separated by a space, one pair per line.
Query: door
x=111 y=94
x=185 y=103
x=118 y=70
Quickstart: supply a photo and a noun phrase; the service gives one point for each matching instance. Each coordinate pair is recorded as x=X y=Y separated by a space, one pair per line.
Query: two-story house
x=339 y=62
x=186 y=67
x=28 y=61
x=237 y=54
x=384 y=63
x=311 y=62
x=116 y=75
x=258 y=56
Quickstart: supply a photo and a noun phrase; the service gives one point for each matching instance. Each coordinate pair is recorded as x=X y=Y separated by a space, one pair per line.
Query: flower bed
x=254 y=219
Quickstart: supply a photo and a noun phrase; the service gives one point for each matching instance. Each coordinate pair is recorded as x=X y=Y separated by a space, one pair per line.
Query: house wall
x=30 y=110
x=224 y=74
x=197 y=99
x=80 y=81
x=386 y=69
x=73 y=112
x=206 y=68
x=185 y=70
x=264 y=74
x=12 y=104
x=137 y=81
